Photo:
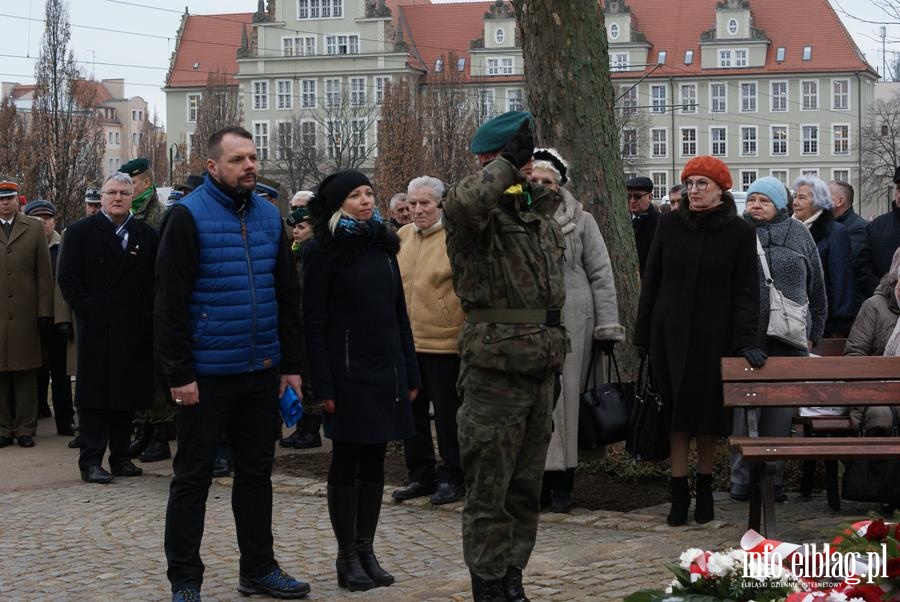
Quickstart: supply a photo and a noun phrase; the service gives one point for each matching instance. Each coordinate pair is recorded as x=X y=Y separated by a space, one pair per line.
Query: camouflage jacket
x=506 y=254
x=152 y=212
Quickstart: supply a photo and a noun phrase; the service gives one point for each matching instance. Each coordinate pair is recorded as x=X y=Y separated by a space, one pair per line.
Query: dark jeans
x=99 y=428
x=243 y=406
x=439 y=375
x=55 y=374
x=351 y=462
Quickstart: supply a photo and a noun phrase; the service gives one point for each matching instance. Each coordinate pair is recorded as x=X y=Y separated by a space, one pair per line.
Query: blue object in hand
x=291 y=409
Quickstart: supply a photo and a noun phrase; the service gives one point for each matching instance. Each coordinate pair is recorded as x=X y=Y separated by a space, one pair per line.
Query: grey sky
x=143 y=59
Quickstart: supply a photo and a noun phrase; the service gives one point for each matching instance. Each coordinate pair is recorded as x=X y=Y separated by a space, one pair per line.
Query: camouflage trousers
x=504 y=430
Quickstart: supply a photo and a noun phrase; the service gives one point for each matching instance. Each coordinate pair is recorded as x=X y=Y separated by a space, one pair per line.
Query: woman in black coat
x=699 y=302
x=362 y=361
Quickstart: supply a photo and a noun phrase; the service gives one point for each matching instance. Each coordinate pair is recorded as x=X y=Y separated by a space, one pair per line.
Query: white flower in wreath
x=689 y=556
x=837 y=597
x=671 y=587
x=720 y=564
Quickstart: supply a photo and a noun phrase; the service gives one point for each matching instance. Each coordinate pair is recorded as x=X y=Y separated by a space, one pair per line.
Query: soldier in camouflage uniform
x=506 y=251
x=152 y=444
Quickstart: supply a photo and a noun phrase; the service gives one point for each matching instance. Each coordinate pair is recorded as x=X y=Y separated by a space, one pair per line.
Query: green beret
x=135 y=167
x=495 y=133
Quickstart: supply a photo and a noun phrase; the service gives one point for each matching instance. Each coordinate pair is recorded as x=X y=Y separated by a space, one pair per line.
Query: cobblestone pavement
x=66 y=540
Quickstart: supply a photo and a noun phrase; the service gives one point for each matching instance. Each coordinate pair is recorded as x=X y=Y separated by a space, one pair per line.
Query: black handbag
x=604 y=409
x=875 y=481
x=648 y=431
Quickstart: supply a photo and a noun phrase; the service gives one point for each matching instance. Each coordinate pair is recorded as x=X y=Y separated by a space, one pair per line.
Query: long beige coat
x=591 y=312
x=26 y=293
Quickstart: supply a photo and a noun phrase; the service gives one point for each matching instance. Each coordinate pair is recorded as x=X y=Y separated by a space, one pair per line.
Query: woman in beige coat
x=591 y=317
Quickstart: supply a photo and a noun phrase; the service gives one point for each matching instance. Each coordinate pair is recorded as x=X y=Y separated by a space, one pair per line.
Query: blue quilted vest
x=234 y=313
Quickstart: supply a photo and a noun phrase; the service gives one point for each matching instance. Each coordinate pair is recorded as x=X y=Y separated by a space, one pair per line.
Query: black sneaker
x=276 y=583
x=186 y=594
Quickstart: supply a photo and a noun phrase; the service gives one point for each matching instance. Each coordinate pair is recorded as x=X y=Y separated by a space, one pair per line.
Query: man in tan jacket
x=436 y=317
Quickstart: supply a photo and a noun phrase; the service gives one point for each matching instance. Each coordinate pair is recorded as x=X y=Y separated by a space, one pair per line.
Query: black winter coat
x=111 y=293
x=884 y=238
x=358 y=336
x=699 y=302
x=644 y=226
x=833 y=243
x=856 y=228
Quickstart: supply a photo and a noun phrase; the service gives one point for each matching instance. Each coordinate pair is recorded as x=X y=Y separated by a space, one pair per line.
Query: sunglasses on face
x=636 y=196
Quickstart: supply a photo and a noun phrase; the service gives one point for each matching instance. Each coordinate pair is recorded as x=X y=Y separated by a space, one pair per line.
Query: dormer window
x=661 y=58
x=461 y=64
x=733 y=27
x=438 y=65
x=499 y=36
x=688 y=57
x=807 y=53
x=779 y=54
x=614 y=31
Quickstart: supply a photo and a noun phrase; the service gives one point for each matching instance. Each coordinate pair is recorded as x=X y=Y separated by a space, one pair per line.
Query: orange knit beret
x=712 y=168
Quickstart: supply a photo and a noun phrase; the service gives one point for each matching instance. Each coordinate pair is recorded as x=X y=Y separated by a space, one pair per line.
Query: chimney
x=116 y=87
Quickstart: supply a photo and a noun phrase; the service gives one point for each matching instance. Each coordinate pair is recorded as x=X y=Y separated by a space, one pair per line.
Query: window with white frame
x=261 y=139
x=810 y=137
x=499 y=36
x=439 y=64
x=461 y=64
x=193 y=105
x=748 y=141
x=260 y=95
x=660 y=183
x=335 y=138
x=748 y=97
x=486 y=107
x=814 y=173
x=342 y=44
x=358 y=138
x=718 y=98
x=629 y=142
x=381 y=84
x=840 y=175
x=320 y=9
x=725 y=58
x=658 y=98
x=718 y=137
x=628 y=99
x=500 y=66
x=332 y=92
x=284 y=139
x=740 y=58
x=779 y=134
x=515 y=101
x=111 y=138
x=134 y=138
x=284 y=93
x=748 y=176
x=298 y=46
x=117 y=138
x=841 y=139
x=840 y=99
x=619 y=61
x=810 y=95
x=779 y=94
x=732 y=26
x=688 y=98
x=614 y=31
x=357 y=91
x=308 y=93
x=780 y=174
x=688 y=142
x=659 y=142
x=308 y=136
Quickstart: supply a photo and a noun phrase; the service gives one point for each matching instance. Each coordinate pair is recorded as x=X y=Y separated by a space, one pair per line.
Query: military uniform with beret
x=146 y=206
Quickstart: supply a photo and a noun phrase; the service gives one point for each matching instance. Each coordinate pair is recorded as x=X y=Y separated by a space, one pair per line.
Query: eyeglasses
x=636 y=196
x=700 y=185
x=116 y=193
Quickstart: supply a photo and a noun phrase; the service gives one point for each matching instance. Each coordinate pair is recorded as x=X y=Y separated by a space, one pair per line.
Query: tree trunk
x=571 y=96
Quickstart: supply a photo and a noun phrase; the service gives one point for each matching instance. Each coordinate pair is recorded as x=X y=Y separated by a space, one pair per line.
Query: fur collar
x=710 y=221
x=820 y=227
x=567 y=213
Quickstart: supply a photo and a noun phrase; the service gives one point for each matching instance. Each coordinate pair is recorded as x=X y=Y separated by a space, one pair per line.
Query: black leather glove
x=641 y=351
x=755 y=356
x=45 y=326
x=604 y=346
x=520 y=147
x=64 y=329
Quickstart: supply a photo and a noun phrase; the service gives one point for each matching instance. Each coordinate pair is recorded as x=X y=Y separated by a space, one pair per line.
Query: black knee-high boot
x=681 y=501
x=342 y=510
x=368 y=509
x=703 y=509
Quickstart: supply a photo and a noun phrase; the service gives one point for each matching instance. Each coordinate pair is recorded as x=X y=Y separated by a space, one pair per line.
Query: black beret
x=640 y=183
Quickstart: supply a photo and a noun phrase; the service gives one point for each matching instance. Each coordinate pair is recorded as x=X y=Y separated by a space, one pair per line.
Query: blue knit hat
x=772 y=188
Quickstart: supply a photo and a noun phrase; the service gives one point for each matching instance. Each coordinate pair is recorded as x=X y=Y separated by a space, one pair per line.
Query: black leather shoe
x=413 y=490
x=277 y=584
x=447 y=493
x=26 y=441
x=6 y=441
x=95 y=474
x=141 y=440
x=75 y=443
x=221 y=467
x=560 y=502
x=66 y=431
x=126 y=469
x=512 y=585
x=158 y=449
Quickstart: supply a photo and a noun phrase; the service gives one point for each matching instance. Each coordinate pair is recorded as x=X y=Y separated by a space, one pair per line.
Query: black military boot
x=368 y=508
x=142 y=439
x=681 y=501
x=309 y=437
x=512 y=585
x=703 y=508
x=159 y=446
x=342 y=510
x=487 y=590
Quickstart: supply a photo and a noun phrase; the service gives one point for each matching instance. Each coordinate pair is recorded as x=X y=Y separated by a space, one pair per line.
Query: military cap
x=896 y=175
x=298 y=216
x=92 y=195
x=8 y=189
x=190 y=183
x=267 y=188
x=39 y=207
x=135 y=167
x=495 y=133
x=175 y=196
x=640 y=183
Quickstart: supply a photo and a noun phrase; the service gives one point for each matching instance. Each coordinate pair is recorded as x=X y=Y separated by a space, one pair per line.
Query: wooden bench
x=798 y=382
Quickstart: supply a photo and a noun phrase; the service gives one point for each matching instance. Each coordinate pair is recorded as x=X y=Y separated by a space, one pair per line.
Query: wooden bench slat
x=830 y=347
x=799 y=394
x=820 y=424
x=815 y=441
x=812 y=368
x=840 y=452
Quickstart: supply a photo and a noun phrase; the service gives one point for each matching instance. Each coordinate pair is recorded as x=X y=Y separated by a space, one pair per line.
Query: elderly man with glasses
x=644 y=215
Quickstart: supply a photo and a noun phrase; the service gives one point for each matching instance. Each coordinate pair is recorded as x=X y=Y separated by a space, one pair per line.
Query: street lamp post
x=177 y=157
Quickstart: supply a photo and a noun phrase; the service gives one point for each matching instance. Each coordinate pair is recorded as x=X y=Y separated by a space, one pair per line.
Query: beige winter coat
x=591 y=312
x=434 y=309
x=26 y=293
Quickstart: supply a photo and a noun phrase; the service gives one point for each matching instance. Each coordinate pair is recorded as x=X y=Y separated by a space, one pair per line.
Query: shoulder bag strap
x=590 y=372
x=611 y=365
x=763 y=263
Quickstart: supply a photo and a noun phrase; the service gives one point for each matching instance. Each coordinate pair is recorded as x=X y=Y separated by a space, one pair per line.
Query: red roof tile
x=211 y=42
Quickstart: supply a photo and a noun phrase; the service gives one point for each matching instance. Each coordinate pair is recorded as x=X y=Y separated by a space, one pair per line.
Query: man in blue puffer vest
x=229 y=338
